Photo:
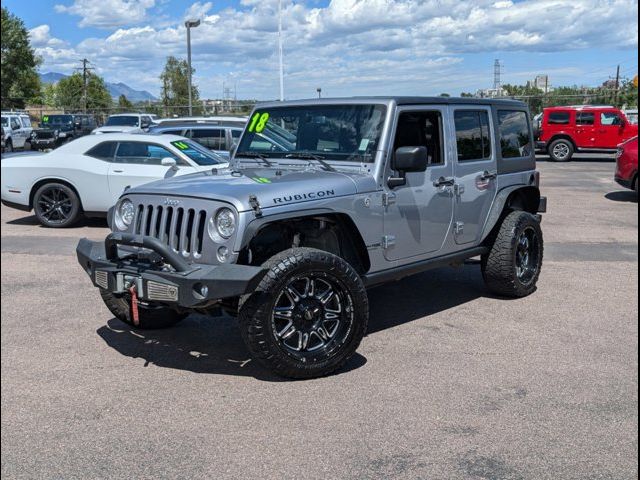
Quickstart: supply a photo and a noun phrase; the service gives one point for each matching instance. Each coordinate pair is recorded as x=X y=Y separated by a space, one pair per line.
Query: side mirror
x=405 y=160
x=169 y=162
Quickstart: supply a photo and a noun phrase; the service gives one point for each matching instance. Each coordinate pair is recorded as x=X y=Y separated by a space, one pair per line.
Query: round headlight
x=55 y=133
x=124 y=214
x=223 y=224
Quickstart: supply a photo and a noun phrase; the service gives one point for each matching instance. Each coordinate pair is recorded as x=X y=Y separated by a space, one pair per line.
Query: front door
x=418 y=215
x=137 y=163
x=475 y=171
x=610 y=130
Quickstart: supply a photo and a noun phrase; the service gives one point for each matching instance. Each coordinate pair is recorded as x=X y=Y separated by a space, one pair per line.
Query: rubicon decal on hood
x=304 y=196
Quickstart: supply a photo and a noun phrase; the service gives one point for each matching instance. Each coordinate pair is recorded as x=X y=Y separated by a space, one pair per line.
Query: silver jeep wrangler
x=323 y=199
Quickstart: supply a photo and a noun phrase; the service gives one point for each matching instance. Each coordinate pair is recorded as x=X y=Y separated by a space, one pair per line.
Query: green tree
x=124 y=103
x=466 y=95
x=49 y=94
x=175 y=87
x=69 y=93
x=444 y=95
x=19 y=80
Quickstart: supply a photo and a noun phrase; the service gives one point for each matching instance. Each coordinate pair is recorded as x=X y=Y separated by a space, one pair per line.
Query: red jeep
x=566 y=130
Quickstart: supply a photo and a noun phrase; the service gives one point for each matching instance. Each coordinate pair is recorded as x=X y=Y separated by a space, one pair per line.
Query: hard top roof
x=403 y=100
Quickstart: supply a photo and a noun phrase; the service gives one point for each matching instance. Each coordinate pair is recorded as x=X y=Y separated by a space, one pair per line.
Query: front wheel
x=149 y=316
x=307 y=316
x=512 y=266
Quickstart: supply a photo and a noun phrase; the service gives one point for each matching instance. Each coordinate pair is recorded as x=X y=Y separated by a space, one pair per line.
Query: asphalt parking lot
x=450 y=383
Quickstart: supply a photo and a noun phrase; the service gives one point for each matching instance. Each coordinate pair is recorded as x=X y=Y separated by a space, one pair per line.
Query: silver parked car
x=326 y=198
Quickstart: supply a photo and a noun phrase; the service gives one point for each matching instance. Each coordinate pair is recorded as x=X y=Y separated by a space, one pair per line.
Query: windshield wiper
x=255 y=155
x=311 y=156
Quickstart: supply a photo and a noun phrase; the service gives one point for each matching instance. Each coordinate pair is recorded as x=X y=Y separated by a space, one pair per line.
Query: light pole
x=190 y=24
x=319 y=90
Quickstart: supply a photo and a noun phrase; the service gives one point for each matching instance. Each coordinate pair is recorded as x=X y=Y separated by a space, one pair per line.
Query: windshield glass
x=122 y=121
x=57 y=119
x=331 y=132
x=197 y=153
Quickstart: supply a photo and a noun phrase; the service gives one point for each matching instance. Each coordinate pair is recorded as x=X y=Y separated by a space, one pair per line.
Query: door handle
x=118 y=171
x=488 y=175
x=444 y=182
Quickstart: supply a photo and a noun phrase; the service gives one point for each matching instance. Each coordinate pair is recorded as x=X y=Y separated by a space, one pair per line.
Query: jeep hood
x=272 y=187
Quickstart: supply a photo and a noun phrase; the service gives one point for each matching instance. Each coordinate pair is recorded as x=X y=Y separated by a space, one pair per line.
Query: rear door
x=475 y=170
x=136 y=163
x=586 y=133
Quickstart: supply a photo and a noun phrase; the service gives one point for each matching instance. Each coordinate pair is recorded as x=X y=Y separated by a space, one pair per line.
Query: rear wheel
x=8 y=146
x=150 y=316
x=307 y=316
x=561 y=150
x=56 y=205
x=512 y=266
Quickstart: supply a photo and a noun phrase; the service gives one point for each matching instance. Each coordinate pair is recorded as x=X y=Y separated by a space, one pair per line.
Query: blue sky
x=347 y=47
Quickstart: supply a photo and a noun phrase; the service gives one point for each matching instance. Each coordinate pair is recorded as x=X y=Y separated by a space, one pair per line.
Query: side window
x=585 y=118
x=103 y=151
x=142 y=153
x=235 y=133
x=213 y=138
x=173 y=132
x=515 y=136
x=26 y=123
x=472 y=135
x=15 y=125
x=610 y=119
x=421 y=129
x=559 y=118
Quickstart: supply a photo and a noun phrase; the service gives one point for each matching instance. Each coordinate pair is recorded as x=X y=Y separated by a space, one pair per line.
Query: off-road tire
x=73 y=214
x=499 y=266
x=150 y=317
x=564 y=145
x=8 y=146
x=256 y=310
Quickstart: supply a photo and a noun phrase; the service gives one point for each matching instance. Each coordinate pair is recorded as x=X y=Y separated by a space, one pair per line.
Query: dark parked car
x=217 y=136
x=54 y=130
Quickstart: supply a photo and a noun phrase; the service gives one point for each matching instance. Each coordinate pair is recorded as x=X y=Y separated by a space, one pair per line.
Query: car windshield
x=197 y=153
x=327 y=132
x=122 y=121
x=57 y=119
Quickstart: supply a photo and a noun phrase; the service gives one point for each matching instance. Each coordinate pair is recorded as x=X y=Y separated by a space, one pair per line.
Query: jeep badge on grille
x=171 y=202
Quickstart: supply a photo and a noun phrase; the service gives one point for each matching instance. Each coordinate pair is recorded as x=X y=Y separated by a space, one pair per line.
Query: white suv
x=126 y=123
x=17 y=129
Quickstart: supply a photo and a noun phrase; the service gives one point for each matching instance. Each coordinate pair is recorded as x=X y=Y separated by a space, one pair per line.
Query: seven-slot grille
x=181 y=228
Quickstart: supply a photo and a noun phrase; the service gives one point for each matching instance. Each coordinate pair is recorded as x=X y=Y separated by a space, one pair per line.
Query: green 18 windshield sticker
x=258 y=122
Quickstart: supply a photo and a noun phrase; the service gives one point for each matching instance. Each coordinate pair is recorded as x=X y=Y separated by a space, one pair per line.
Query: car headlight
x=222 y=224
x=55 y=133
x=125 y=211
x=33 y=134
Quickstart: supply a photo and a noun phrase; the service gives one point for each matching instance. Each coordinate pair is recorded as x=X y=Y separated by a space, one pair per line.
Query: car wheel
x=561 y=150
x=512 y=266
x=8 y=146
x=56 y=205
x=307 y=316
x=150 y=317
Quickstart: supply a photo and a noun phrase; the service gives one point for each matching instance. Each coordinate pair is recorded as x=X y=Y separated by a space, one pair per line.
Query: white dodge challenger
x=86 y=176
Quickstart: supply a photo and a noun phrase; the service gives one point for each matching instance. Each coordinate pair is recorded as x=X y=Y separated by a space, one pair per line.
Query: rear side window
x=610 y=118
x=26 y=122
x=559 y=118
x=173 y=132
x=585 y=118
x=472 y=135
x=213 y=138
x=103 y=151
x=515 y=136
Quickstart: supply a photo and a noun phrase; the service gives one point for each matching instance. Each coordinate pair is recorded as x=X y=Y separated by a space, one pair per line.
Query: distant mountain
x=115 y=89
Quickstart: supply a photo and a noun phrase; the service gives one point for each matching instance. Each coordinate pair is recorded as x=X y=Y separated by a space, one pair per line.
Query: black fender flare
x=500 y=202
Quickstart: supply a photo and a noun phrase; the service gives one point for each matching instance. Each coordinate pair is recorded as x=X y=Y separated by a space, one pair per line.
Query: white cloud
x=108 y=13
x=40 y=36
x=348 y=47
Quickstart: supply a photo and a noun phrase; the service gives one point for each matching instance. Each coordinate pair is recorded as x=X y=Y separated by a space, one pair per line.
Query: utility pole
x=85 y=78
x=617 y=85
x=497 y=84
x=280 y=54
x=189 y=24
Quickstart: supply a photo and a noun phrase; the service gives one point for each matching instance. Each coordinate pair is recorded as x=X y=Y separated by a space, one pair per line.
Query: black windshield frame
x=334 y=132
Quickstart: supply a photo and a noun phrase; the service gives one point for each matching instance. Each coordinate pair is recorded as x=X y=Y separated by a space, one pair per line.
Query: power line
x=85 y=71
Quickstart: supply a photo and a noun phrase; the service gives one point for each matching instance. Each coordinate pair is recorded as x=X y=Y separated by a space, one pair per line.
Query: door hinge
x=458 y=189
x=388 y=241
x=388 y=199
x=458 y=228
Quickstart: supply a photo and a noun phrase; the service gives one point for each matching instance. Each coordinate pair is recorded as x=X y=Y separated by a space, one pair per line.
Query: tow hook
x=135 y=316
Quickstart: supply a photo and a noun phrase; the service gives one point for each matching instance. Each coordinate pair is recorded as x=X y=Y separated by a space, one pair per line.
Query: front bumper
x=186 y=285
x=43 y=142
x=625 y=182
x=541 y=145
